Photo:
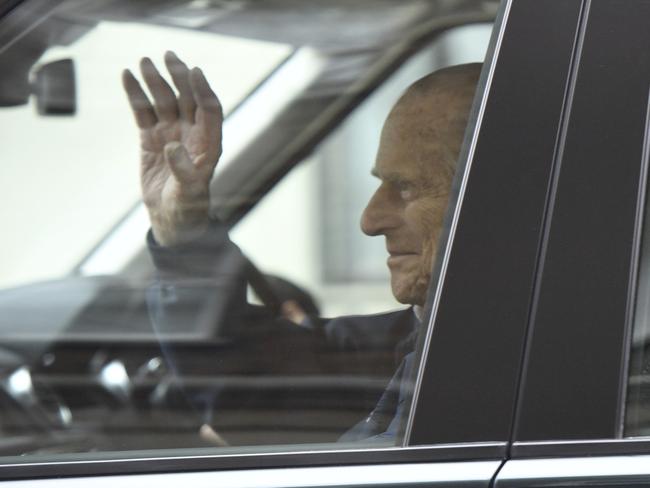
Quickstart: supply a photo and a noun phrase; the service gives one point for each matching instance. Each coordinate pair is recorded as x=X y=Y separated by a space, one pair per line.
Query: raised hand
x=180 y=142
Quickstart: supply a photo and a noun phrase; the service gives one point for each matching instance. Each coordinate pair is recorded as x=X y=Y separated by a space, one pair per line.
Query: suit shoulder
x=370 y=331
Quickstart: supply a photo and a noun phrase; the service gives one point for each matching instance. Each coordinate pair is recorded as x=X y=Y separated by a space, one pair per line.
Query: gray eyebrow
x=391 y=177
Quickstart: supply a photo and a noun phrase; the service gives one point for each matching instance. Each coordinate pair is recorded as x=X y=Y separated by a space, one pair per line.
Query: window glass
x=152 y=301
x=637 y=413
x=98 y=56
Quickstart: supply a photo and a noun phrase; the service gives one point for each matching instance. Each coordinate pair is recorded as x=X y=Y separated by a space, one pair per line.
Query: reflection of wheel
x=30 y=406
x=96 y=367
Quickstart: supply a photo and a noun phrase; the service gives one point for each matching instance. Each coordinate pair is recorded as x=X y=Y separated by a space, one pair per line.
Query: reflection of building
x=74 y=185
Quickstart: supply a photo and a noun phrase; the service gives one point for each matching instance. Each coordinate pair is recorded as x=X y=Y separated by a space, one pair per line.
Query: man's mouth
x=395 y=251
x=395 y=258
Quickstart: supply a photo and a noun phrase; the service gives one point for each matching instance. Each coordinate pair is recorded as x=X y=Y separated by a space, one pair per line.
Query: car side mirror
x=55 y=88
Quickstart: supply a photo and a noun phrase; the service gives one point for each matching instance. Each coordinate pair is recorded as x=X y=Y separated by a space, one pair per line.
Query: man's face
x=414 y=161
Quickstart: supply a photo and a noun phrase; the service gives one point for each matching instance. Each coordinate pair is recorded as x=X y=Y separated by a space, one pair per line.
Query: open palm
x=180 y=140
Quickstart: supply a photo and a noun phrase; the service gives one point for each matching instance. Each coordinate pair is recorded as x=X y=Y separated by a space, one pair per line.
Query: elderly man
x=419 y=145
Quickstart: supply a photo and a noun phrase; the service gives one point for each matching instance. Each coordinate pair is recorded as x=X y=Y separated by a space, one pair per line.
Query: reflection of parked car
x=96 y=374
x=525 y=365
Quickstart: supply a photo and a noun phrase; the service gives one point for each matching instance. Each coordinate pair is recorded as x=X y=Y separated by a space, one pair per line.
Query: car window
x=637 y=411
x=97 y=57
x=151 y=300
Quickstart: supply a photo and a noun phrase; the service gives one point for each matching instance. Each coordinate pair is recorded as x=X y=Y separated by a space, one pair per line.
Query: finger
x=179 y=161
x=206 y=163
x=292 y=310
x=181 y=77
x=142 y=109
x=210 y=114
x=207 y=433
x=163 y=95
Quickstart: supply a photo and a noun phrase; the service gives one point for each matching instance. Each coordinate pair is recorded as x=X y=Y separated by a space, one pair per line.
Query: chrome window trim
x=533 y=472
x=585 y=447
x=585 y=442
x=466 y=474
x=133 y=462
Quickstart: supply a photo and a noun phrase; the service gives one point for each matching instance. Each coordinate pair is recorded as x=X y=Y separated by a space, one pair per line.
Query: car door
x=462 y=412
x=582 y=401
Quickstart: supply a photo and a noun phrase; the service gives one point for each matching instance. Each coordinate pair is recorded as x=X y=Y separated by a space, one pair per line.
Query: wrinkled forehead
x=418 y=138
x=421 y=125
x=436 y=111
x=427 y=126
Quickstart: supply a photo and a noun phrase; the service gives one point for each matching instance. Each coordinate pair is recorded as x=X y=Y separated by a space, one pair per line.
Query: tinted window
x=218 y=332
x=637 y=414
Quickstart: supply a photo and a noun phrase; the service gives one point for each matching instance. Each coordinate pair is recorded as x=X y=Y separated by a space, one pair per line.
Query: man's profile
x=416 y=159
x=420 y=141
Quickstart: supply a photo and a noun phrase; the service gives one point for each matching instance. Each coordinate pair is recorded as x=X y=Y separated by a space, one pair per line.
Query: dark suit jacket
x=353 y=358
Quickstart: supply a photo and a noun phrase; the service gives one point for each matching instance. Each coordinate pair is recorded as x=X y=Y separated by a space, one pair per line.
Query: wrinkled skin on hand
x=180 y=142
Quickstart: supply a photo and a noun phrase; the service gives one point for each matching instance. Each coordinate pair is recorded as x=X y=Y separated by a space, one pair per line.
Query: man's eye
x=406 y=191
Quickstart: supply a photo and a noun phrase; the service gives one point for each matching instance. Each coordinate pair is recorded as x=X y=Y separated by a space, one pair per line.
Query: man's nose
x=379 y=215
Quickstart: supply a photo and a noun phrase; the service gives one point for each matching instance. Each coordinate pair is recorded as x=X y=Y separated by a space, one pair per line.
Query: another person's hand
x=292 y=310
x=180 y=141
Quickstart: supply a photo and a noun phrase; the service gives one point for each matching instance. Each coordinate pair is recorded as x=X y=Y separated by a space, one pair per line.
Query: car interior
x=83 y=367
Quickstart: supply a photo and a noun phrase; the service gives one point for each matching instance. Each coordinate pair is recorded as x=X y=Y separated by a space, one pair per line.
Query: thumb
x=179 y=161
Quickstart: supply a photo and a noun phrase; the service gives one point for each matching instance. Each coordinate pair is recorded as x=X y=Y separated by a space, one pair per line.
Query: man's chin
x=409 y=293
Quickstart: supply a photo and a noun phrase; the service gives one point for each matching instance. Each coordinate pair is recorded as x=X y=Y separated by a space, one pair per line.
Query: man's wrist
x=196 y=257
x=179 y=237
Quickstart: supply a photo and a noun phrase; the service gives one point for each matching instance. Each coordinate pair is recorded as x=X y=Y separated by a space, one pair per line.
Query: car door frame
x=570 y=420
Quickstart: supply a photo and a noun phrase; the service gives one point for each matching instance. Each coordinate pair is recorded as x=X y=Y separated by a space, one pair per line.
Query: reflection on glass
x=191 y=309
x=637 y=412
